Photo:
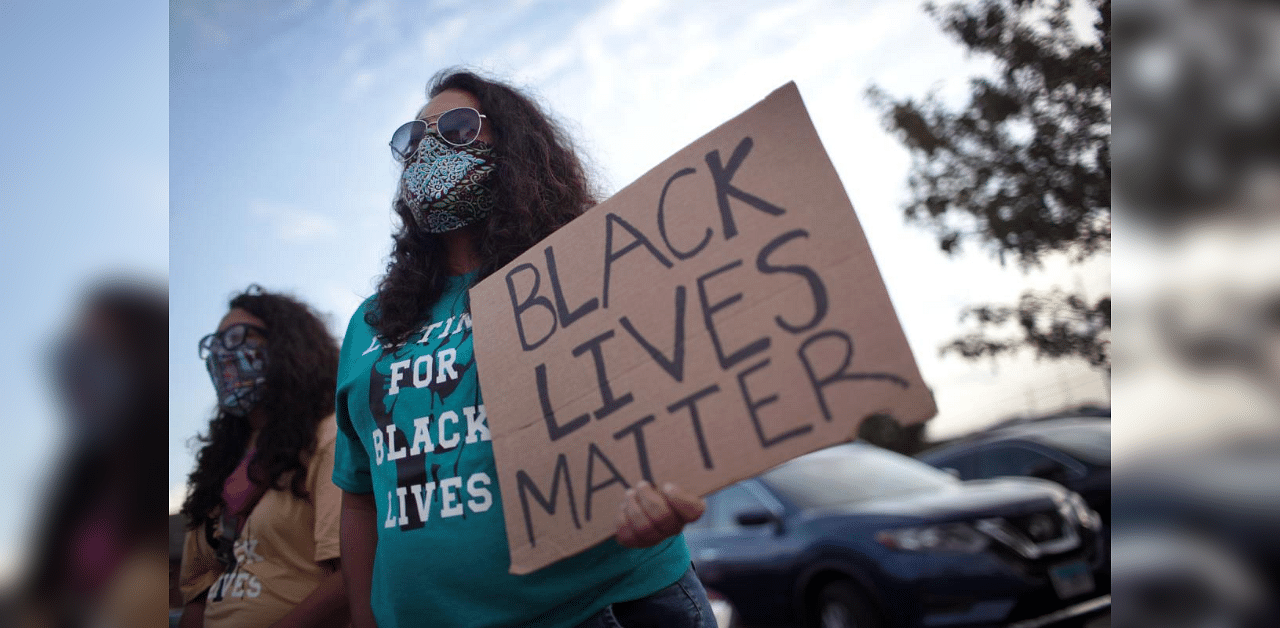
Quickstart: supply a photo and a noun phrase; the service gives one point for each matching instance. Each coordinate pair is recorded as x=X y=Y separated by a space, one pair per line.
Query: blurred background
x=974 y=141
x=1197 y=269
x=84 y=198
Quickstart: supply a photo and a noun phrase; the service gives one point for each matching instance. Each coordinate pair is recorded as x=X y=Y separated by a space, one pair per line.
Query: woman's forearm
x=326 y=606
x=359 y=542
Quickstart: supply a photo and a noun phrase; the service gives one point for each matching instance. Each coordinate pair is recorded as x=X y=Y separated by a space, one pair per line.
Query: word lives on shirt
x=237 y=583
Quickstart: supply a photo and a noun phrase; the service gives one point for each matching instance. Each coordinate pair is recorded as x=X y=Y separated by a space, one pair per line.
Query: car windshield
x=852 y=472
x=1087 y=441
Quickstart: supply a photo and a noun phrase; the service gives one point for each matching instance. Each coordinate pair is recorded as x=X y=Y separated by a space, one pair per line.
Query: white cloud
x=359 y=85
x=377 y=13
x=295 y=224
x=444 y=36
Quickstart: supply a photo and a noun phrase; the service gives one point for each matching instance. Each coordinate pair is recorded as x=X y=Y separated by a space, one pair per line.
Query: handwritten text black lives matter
x=541 y=308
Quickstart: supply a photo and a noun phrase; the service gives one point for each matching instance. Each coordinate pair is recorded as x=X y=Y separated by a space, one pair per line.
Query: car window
x=723 y=507
x=1000 y=460
x=852 y=473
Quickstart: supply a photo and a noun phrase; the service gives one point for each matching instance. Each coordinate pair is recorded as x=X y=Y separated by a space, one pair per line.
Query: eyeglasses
x=459 y=127
x=227 y=339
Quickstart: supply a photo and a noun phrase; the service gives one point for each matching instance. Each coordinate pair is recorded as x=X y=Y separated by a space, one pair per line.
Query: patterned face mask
x=446 y=187
x=239 y=376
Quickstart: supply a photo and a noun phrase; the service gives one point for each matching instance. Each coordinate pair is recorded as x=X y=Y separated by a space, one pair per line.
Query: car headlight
x=945 y=537
x=1073 y=509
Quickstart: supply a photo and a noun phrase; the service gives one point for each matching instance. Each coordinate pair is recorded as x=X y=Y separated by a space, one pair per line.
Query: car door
x=746 y=563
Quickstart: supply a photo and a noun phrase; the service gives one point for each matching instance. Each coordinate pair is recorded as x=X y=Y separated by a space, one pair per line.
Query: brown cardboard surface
x=787 y=340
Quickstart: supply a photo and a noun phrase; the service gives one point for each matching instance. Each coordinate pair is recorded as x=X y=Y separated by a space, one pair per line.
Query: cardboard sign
x=720 y=315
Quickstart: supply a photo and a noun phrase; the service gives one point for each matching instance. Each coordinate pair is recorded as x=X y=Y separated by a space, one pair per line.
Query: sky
x=279 y=172
x=84 y=194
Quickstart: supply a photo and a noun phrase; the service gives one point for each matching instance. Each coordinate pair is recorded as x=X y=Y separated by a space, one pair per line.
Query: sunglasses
x=458 y=127
x=227 y=339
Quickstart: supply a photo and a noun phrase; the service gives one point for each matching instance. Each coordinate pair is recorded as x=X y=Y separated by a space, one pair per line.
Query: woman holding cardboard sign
x=486 y=176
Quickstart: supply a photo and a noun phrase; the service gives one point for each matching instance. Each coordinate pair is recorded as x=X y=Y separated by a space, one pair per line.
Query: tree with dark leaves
x=1024 y=169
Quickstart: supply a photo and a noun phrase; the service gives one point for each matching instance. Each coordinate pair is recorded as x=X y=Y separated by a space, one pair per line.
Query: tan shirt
x=277 y=553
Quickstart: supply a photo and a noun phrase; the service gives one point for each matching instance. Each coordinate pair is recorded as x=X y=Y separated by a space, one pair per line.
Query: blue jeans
x=684 y=604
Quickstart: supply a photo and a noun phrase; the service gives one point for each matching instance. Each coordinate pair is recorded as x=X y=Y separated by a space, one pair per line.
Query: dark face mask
x=447 y=187
x=239 y=376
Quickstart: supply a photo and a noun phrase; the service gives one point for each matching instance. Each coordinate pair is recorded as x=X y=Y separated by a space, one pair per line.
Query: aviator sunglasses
x=459 y=127
x=228 y=339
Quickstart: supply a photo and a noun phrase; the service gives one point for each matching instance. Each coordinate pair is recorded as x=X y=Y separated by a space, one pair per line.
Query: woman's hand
x=649 y=516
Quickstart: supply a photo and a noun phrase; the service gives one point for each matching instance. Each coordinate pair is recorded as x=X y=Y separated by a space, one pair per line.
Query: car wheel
x=841 y=605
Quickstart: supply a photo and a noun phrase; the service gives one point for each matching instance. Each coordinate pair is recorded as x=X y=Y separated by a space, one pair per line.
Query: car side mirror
x=756 y=517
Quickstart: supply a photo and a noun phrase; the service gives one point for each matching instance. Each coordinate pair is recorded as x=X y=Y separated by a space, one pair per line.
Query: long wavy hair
x=540 y=185
x=302 y=373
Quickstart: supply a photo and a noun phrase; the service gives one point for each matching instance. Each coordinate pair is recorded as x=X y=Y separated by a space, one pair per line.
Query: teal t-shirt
x=412 y=430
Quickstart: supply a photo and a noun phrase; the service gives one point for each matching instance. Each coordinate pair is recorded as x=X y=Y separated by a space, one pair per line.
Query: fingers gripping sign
x=648 y=516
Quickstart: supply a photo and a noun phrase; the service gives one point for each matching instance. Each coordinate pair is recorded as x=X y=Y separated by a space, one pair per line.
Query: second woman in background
x=262 y=548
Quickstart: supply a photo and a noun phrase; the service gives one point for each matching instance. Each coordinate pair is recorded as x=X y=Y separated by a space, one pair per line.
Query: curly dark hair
x=539 y=186
x=302 y=374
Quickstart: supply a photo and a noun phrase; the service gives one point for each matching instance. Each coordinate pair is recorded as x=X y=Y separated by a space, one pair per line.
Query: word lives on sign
x=718 y=316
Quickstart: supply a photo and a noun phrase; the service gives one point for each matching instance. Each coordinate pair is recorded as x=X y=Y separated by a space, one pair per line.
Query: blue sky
x=84 y=192
x=279 y=171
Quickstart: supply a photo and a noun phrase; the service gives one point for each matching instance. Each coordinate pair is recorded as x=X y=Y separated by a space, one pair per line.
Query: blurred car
x=855 y=535
x=1195 y=540
x=1072 y=451
x=722 y=608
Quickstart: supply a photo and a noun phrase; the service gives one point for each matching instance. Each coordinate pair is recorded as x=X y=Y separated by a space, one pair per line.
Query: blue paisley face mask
x=446 y=187
x=239 y=376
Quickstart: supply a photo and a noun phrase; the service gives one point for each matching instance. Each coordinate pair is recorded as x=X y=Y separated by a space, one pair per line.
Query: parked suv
x=854 y=535
x=1072 y=451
